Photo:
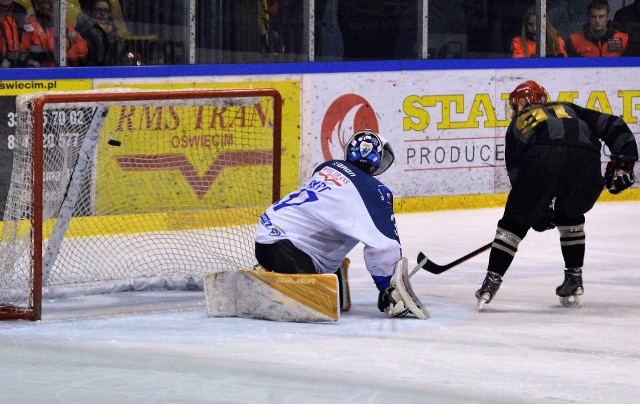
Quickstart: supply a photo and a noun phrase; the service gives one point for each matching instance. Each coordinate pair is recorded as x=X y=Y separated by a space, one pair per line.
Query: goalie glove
x=398 y=299
x=619 y=175
x=390 y=302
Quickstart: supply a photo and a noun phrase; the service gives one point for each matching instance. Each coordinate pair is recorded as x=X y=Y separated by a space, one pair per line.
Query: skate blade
x=484 y=299
x=572 y=301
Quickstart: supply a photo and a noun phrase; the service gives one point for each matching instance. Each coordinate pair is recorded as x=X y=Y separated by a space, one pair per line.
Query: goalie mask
x=525 y=94
x=369 y=151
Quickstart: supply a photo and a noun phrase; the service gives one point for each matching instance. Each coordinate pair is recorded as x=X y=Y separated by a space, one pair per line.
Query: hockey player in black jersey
x=552 y=153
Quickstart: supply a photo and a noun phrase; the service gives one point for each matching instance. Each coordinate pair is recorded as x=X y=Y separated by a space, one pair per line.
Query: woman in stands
x=524 y=45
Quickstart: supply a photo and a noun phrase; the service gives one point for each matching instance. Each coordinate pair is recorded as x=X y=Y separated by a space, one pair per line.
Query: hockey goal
x=121 y=190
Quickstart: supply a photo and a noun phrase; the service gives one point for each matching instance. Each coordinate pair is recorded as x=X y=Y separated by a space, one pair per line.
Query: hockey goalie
x=303 y=239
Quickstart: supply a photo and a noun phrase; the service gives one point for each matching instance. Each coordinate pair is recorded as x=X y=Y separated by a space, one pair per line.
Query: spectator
x=524 y=45
x=328 y=38
x=95 y=24
x=38 y=39
x=597 y=38
x=627 y=20
x=287 y=24
x=10 y=55
x=504 y=23
x=270 y=41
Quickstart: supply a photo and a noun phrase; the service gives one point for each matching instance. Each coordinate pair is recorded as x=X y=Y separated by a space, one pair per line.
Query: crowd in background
x=28 y=35
x=128 y=32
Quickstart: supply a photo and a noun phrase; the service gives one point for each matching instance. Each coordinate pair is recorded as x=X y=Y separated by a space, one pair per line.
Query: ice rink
x=524 y=347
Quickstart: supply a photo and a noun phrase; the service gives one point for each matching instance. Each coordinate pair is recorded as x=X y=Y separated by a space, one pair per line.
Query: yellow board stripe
x=318 y=292
x=435 y=203
x=89 y=226
x=162 y=221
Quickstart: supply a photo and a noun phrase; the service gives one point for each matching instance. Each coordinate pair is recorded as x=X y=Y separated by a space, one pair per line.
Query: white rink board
x=446 y=127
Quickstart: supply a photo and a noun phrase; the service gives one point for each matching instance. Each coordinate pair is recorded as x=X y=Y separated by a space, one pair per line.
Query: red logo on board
x=348 y=114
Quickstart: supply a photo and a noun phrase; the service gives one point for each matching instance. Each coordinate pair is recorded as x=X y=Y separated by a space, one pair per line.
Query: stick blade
x=430 y=266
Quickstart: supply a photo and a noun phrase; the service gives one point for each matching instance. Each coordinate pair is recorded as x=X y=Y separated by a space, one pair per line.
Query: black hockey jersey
x=567 y=124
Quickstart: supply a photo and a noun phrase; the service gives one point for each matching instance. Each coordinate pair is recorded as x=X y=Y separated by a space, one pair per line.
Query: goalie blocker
x=399 y=299
x=260 y=294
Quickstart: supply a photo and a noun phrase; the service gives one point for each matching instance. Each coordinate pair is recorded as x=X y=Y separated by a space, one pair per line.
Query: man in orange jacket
x=38 y=39
x=597 y=38
x=10 y=55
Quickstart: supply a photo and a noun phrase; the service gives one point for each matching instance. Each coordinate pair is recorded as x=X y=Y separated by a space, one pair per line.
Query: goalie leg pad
x=272 y=296
x=400 y=282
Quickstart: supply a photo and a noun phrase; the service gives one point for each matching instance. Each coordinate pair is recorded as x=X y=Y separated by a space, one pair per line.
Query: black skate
x=571 y=289
x=489 y=288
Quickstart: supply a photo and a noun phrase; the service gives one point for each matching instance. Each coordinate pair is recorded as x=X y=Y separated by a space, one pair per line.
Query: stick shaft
x=420 y=264
x=438 y=269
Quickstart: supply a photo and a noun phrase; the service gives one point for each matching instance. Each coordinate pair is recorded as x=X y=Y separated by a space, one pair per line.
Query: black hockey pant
x=285 y=258
x=570 y=175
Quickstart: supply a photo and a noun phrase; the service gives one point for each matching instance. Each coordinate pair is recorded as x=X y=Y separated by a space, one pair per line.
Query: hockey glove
x=398 y=299
x=619 y=175
x=546 y=220
x=390 y=302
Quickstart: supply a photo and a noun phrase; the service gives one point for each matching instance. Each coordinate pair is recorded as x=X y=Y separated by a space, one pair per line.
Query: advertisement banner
x=202 y=179
x=179 y=141
x=9 y=89
x=447 y=127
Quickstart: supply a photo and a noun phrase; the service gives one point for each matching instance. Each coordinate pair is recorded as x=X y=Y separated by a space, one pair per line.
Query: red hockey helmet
x=524 y=95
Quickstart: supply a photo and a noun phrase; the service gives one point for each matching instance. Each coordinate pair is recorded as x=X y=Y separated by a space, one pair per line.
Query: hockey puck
x=113 y=142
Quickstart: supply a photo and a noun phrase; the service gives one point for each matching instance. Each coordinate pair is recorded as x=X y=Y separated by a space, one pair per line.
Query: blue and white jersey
x=339 y=206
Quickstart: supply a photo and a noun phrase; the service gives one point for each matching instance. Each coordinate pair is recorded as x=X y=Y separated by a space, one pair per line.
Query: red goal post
x=118 y=190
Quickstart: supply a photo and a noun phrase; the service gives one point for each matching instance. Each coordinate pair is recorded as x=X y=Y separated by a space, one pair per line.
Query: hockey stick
x=438 y=269
x=421 y=262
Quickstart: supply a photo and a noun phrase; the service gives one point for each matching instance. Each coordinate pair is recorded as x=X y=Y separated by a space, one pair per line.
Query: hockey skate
x=571 y=289
x=489 y=288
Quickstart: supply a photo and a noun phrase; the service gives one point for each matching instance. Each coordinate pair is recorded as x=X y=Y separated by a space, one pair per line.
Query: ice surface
x=524 y=347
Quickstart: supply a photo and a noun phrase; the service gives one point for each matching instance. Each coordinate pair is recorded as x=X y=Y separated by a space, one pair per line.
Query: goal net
x=121 y=190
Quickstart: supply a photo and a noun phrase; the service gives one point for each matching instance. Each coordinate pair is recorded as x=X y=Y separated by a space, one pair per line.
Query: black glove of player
x=546 y=220
x=618 y=175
